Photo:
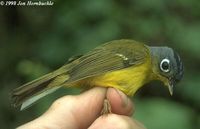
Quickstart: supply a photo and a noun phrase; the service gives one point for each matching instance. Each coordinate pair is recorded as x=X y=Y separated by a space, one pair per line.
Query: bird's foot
x=106 y=107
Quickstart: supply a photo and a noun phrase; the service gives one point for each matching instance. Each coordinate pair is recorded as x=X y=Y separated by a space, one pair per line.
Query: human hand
x=83 y=111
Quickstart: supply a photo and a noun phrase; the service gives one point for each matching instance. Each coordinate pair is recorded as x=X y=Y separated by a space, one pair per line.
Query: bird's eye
x=164 y=65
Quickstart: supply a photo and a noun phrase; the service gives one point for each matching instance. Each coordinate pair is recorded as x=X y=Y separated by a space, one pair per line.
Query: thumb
x=72 y=112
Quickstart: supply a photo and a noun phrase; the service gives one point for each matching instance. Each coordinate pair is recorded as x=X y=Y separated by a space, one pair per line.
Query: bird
x=123 y=64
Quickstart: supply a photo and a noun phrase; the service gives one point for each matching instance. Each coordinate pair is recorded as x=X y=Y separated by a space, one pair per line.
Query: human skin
x=83 y=111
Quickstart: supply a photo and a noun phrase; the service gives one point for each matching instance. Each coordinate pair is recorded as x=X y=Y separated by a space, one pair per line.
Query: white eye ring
x=165 y=68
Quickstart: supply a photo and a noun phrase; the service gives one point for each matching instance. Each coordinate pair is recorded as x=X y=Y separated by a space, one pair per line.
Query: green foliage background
x=35 y=40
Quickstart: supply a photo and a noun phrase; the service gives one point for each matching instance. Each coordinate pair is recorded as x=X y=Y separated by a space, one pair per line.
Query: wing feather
x=112 y=56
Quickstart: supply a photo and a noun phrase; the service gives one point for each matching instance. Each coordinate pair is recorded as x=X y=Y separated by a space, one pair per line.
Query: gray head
x=168 y=65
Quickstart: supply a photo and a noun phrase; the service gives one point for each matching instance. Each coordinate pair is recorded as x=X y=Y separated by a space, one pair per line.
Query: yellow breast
x=128 y=80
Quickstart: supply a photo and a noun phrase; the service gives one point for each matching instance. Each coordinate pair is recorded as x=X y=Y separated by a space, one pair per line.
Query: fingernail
x=123 y=97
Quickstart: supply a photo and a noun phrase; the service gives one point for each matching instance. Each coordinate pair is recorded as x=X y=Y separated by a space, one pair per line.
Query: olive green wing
x=111 y=56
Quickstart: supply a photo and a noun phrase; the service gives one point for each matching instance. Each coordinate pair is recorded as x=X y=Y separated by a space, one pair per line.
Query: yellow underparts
x=128 y=80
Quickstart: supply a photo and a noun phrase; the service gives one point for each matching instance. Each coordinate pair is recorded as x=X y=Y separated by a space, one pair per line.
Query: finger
x=113 y=121
x=120 y=103
x=73 y=112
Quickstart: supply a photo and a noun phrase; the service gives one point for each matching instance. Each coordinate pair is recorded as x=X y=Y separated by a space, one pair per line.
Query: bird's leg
x=106 y=107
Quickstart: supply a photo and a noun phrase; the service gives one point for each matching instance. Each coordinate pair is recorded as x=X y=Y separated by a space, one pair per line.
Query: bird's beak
x=170 y=86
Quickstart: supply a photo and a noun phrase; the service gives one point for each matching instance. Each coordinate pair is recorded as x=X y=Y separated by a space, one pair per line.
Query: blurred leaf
x=161 y=114
x=31 y=69
x=189 y=88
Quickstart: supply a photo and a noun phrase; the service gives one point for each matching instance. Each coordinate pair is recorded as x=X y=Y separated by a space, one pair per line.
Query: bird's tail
x=29 y=93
